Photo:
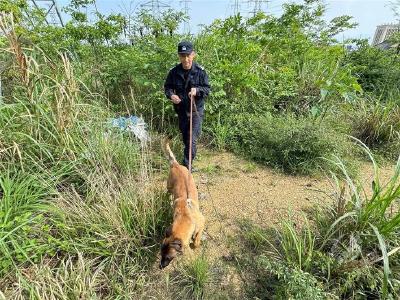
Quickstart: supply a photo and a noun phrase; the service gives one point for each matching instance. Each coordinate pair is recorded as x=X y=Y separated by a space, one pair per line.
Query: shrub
x=377 y=70
x=291 y=144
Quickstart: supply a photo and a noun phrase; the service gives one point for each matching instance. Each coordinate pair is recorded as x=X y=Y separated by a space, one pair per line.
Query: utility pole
x=186 y=27
x=155 y=6
x=52 y=12
x=257 y=5
x=236 y=7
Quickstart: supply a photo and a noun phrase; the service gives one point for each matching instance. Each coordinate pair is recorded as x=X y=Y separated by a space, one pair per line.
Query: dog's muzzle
x=164 y=263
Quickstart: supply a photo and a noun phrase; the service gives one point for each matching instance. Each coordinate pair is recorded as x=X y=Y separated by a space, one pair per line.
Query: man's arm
x=169 y=89
x=169 y=85
x=204 y=88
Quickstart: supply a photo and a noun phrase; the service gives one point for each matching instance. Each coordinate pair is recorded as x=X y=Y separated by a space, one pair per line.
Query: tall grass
x=371 y=220
x=377 y=206
x=80 y=213
x=74 y=277
x=23 y=205
x=377 y=124
x=194 y=277
x=298 y=250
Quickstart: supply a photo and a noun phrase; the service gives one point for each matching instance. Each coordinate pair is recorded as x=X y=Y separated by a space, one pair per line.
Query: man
x=186 y=79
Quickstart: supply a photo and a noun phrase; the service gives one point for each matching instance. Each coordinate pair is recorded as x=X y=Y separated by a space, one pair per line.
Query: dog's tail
x=168 y=153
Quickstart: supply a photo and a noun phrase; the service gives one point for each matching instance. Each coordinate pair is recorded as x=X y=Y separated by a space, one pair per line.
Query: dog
x=188 y=221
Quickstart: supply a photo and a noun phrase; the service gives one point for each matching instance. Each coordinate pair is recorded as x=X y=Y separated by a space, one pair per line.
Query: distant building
x=383 y=33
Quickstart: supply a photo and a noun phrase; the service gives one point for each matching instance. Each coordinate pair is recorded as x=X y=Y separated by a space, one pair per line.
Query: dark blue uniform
x=179 y=82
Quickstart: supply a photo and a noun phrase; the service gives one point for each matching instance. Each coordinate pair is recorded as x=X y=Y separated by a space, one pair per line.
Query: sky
x=367 y=13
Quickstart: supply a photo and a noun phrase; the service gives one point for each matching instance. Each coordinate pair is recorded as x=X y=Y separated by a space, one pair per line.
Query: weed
x=349 y=249
x=249 y=167
x=291 y=283
x=211 y=169
x=254 y=236
x=195 y=277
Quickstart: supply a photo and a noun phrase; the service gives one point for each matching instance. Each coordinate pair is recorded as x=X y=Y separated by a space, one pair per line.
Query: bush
x=377 y=70
x=295 y=145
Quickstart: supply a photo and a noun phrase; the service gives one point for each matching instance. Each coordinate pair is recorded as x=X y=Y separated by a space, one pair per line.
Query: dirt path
x=232 y=190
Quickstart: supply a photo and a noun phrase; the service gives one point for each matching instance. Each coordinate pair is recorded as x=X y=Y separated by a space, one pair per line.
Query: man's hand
x=192 y=92
x=175 y=99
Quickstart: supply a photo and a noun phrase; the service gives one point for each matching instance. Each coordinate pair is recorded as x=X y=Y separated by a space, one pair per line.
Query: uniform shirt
x=176 y=84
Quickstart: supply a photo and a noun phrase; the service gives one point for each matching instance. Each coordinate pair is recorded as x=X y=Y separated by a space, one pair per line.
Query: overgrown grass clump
x=377 y=124
x=294 y=145
x=194 y=278
x=24 y=233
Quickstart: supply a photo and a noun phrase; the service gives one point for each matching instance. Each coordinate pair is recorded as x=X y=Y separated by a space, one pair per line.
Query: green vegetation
x=81 y=210
x=348 y=249
x=297 y=145
x=194 y=278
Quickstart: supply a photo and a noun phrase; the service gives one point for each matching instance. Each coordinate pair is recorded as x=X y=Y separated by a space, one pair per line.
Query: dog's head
x=170 y=248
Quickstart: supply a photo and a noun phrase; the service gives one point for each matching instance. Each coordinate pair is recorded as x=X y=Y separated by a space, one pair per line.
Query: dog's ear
x=177 y=245
x=168 y=231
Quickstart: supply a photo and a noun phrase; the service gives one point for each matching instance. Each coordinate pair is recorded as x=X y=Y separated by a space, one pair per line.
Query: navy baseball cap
x=185 y=47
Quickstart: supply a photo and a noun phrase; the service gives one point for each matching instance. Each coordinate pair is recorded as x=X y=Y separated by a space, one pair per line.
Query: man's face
x=186 y=60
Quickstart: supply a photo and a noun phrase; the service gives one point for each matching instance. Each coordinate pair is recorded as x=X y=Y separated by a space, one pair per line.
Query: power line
x=186 y=26
x=236 y=7
x=155 y=6
x=257 y=5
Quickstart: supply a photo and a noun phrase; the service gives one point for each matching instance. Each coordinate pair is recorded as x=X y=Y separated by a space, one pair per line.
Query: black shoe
x=187 y=167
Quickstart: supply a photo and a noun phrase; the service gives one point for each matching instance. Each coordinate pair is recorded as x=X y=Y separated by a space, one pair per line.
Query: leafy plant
x=291 y=283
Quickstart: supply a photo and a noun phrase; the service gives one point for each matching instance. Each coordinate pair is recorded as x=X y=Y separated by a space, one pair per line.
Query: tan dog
x=188 y=222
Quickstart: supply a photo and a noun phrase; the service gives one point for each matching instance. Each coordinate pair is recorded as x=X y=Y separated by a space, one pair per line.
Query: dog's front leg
x=199 y=232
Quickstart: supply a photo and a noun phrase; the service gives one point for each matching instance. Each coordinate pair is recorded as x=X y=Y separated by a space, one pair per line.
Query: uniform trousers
x=184 y=127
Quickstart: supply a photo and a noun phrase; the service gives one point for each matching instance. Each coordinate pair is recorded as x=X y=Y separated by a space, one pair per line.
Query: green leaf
x=386 y=268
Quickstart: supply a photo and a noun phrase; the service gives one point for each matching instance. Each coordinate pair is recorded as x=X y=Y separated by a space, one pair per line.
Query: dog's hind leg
x=199 y=232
